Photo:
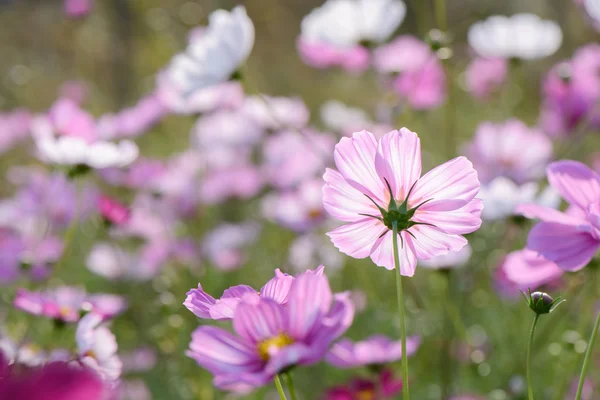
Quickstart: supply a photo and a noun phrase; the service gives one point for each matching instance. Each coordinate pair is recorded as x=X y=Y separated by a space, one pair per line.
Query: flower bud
x=541 y=303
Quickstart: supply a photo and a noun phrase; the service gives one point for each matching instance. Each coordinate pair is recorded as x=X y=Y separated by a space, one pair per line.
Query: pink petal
x=547 y=214
x=430 y=242
x=527 y=268
x=398 y=160
x=343 y=201
x=355 y=160
x=570 y=247
x=199 y=302
x=278 y=288
x=256 y=322
x=450 y=186
x=222 y=353
x=335 y=323
x=383 y=254
x=238 y=291
x=576 y=183
x=309 y=299
x=357 y=239
x=462 y=221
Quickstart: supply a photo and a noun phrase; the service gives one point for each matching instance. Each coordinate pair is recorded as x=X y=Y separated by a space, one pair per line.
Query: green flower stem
x=529 y=387
x=440 y=15
x=290 y=385
x=586 y=360
x=405 y=391
x=279 y=388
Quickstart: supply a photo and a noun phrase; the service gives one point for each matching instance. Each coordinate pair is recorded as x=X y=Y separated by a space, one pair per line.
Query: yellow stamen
x=365 y=394
x=275 y=342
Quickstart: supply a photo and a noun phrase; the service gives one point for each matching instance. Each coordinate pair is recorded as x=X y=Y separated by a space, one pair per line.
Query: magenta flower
x=78 y=8
x=374 y=350
x=113 y=211
x=509 y=149
x=271 y=337
x=570 y=239
x=378 y=184
x=485 y=75
x=383 y=388
x=527 y=269
x=205 y=306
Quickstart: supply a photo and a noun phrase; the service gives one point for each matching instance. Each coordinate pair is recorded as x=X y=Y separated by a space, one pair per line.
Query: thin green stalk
x=529 y=387
x=586 y=360
x=405 y=391
x=279 y=388
x=445 y=368
x=440 y=15
x=290 y=385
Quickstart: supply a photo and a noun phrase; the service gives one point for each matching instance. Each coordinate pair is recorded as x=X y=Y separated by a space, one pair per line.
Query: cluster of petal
x=271 y=337
x=363 y=168
x=213 y=56
x=417 y=73
x=375 y=350
x=509 y=149
x=97 y=347
x=384 y=387
x=571 y=238
x=485 y=75
x=524 y=36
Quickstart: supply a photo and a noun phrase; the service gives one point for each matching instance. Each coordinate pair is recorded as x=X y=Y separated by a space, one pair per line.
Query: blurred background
x=116 y=51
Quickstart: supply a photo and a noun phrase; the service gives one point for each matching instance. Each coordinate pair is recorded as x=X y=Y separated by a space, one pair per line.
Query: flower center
x=365 y=394
x=267 y=346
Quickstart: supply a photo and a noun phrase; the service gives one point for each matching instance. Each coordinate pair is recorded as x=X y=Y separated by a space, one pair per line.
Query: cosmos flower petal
x=459 y=222
x=309 y=300
x=383 y=254
x=355 y=160
x=430 y=242
x=398 y=160
x=547 y=214
x=278 y=287
x=449 y=186
x=357 y=239
x=570 y=247
x=576 y=182
x=342 y=200
x=199 y=302
x=257 y=321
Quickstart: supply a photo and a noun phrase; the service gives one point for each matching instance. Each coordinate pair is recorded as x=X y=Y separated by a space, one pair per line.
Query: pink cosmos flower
x=300 y=210
x=509 y=149
x=54 y=381
x=374 y=350
x=271 y=337
x=14 y=128
x=485 y=75
x=318 y=55
x=527 y=269
x=378 y=184
x=570 y=239
x=225 y=246
x=113 y=211
x=385 y=387
x=236 y=182
x=205 y=306
x=416 y=73
x=276 y=112
x=78 y=8
x=290 y=157
x=63 y=303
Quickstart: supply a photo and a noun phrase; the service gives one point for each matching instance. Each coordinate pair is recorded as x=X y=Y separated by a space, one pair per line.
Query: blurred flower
x=271 y=338
x=586 y=394
x=290 y=157
x=310 y=249
x=509 y=149
x=54 y=381
x=417 y=73
x=501 y=197
x=524 y=36
x=485 y=75
x=241 y=182
x=112 y=211
x=379 y=184
x=338 y=117
x=452 y=259
x=334 y=33
x=138 y=175
x=571 y=238
x=527 y=269
x=225 y=246
x=97 y=347
x=375 y=350
x=205 y=306
x=226 y=128
x=592 y=7
x=299 y=210
x=14 y=128
x=133 y=121
x=74 y=90
x=571 y=92
x=63 y=303
x=383 y=388
x=67 y=136
x=133 y=389
x=276 y=112
x=139 y=360
x=213 y=56
x=78 y=8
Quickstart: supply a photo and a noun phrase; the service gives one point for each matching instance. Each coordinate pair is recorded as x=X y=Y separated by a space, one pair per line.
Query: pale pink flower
x=570 y=239
x=97 y=347
x=78 y=8
x=527 y=269
x=225 y=246
x=239 y=182
x=377 y=184
x=276 y=112
x=509 y=149
x=375 y=350
x=485 y=75
x=14 y=128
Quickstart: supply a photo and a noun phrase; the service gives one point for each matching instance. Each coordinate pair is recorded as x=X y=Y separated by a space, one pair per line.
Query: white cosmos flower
x=338 y=116
x=214 y=55
x=524 y=36
x=592 y=7
x=502 y=196
x=344 y=23
x=97 y=347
